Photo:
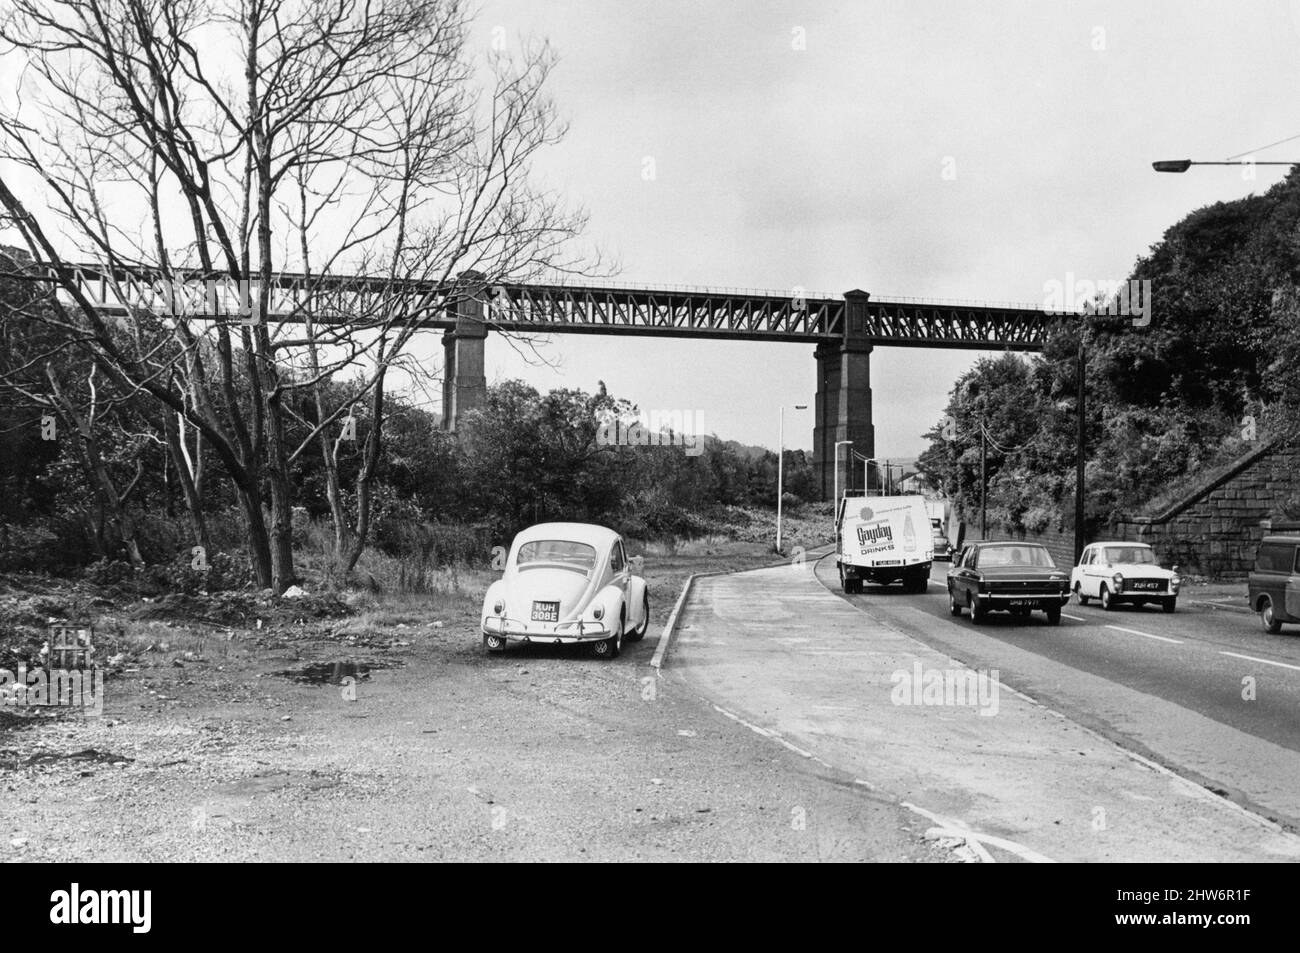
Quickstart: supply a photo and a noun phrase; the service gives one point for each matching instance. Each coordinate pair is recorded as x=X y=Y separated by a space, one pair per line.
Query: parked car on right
x=1274 y=584
x=1115 y=573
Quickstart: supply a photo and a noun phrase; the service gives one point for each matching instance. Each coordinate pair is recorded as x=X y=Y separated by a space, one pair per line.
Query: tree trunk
x=193 y=501
x=97 y=473
x=259 y=545
x=365 y=480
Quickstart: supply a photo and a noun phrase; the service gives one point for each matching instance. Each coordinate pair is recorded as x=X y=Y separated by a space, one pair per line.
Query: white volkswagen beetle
x=567 y=583
x=1116 y=573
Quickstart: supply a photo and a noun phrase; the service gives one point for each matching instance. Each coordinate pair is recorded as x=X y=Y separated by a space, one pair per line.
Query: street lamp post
x=835 y=507
x=885 y=482
x=1182 y=165
x=780 y=468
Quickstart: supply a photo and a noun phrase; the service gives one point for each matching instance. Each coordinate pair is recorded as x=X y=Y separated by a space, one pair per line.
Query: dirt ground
x=377 y=729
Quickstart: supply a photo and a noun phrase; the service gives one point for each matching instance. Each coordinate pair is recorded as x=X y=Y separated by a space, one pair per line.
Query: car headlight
x=498 y=607
x=1118 y=580
x=1175 y=582
x=598 y=613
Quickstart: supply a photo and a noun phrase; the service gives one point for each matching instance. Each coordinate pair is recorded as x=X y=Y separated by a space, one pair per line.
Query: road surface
x=1205 y=691
x=1055 y=773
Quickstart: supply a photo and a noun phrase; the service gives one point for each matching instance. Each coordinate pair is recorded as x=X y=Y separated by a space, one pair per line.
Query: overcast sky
x=805 y=144
x=822 y=167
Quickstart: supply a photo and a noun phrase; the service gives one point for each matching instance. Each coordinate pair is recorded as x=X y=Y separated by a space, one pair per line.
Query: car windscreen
x=557 y=552
x=1029 y=557
x=1131 y=555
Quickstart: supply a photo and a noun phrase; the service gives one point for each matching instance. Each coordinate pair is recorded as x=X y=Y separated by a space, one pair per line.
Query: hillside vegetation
x=1215 y=373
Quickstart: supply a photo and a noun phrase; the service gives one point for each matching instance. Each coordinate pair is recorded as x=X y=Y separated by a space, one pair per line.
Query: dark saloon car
x=1274 y=585
x=1007 y=577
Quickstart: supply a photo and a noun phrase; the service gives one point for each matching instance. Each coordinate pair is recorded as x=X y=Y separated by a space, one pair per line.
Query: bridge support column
x=843 y=405
x=464 y=381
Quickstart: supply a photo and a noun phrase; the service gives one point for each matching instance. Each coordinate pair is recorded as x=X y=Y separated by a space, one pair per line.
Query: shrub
x=25 y=547
x=108 y=572
x=225 y=572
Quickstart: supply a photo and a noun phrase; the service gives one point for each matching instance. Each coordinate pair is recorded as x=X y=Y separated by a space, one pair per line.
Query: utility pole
x=1081 y=371
x=984 y=483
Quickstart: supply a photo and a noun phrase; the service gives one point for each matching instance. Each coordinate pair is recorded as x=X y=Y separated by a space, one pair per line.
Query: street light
x=835 y=508
x=878 y=462
x=780 y=468
x=1182 y=165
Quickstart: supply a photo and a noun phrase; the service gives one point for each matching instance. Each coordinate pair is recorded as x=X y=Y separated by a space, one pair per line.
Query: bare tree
x=331 y=138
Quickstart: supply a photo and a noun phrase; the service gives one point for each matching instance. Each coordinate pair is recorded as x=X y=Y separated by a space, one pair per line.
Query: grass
x=418 y=572
x=378 y=614
x=389 y=597
x=744 y=533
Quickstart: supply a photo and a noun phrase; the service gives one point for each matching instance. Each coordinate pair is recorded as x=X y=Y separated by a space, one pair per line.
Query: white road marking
x=1145 y=635
x=1263 y=661
x=772 y=735
x=661 y=647
x=977 y=840
x=1076 y=618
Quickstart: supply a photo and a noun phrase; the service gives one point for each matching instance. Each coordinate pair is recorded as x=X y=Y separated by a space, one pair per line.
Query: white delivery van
x=883 y=539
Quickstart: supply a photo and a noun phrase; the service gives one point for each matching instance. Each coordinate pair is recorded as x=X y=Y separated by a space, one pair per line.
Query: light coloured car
x=567 y=583
x=1117 y=573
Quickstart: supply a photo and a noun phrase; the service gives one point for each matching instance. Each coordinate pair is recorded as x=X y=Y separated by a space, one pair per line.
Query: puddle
x=10 y=759
x=332 y=673
x=270 y=781
x=10 y=721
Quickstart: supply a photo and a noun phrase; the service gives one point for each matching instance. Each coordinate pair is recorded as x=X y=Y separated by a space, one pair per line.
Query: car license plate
x=546 y=612
x=1021 y=602
x=889 y=562
x=1146 y=584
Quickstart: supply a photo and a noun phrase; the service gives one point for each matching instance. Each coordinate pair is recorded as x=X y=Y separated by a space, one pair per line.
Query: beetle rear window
x=557 y=552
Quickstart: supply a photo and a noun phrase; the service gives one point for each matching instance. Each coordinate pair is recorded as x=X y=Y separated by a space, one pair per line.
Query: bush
x=108 y=572
x=225 y=572
x=401 y=533
x=25 y=547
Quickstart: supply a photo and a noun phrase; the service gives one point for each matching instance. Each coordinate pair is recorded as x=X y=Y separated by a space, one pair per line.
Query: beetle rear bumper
x=562 y=633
